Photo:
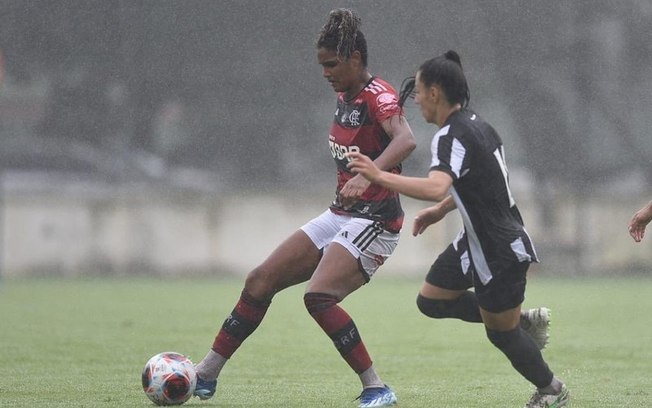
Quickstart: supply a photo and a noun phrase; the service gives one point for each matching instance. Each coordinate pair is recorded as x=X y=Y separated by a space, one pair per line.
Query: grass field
x=83 y=343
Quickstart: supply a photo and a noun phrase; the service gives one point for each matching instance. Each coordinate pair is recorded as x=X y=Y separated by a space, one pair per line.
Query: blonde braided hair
x=342 y=34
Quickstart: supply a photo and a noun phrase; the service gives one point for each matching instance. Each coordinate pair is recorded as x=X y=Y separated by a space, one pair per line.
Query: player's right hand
x=637 y=228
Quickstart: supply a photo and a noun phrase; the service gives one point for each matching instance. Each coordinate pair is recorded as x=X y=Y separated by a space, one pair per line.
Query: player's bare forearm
x=401 y=145
x=447 y=205
x=433 y=188
x=646 y=212
x=432 y=215
x=427 y=189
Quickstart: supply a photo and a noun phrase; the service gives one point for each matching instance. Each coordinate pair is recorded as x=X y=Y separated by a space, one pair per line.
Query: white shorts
x=365 y=239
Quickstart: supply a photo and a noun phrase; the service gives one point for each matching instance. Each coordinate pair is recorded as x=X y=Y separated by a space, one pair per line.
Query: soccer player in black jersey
x=493 y=252
x=338 y=251
x=639 y=221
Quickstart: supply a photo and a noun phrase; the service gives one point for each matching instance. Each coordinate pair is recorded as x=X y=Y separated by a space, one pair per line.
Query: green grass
x=83 y=343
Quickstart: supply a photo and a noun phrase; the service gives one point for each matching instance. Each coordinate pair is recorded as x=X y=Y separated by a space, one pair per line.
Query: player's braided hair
x=342 y=34
x=446 y=71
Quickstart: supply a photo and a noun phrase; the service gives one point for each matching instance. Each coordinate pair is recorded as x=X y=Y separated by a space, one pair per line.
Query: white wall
x=74 y=234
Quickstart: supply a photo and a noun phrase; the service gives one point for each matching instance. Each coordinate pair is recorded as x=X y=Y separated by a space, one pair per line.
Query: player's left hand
x=353 y=190
x=363 y=165
x=425 y=218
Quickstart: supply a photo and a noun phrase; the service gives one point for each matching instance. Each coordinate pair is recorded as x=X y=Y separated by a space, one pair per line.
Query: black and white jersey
x=471 y=151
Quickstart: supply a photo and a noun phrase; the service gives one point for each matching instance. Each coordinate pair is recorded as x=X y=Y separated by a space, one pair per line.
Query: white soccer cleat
x=536 y=323
x=539 y=400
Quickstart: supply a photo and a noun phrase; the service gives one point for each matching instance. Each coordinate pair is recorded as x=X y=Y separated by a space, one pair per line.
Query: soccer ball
x=169 y=378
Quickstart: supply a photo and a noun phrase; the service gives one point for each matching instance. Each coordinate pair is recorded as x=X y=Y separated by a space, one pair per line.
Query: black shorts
x=505 y=290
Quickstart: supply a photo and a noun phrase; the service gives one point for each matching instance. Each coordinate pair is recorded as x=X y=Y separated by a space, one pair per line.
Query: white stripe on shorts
x=365 y=239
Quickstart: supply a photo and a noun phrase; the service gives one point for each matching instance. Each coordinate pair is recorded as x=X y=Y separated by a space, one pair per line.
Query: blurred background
x=190 y=137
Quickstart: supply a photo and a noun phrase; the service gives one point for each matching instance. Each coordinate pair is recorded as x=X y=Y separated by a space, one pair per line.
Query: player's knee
x=260 y=283
x=503 y=339
x=435 y=308
x=317 y=302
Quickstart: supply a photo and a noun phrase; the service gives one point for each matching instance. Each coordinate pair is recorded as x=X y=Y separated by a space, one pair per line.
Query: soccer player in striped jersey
x=639 y=221
x=493 y=252
x=338 y=251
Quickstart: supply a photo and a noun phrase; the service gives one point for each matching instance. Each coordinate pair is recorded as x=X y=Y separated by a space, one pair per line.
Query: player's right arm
x=432 y=188
x=639 y=221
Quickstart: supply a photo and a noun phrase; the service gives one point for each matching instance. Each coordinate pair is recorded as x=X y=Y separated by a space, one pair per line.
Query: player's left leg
x=536 y=323
x=338 y=274
x=500 y=306
x=504 y=332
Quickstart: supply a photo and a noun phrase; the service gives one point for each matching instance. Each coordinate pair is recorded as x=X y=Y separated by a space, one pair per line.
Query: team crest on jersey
x=351 y=116
x=350 y=119
x=354 y=118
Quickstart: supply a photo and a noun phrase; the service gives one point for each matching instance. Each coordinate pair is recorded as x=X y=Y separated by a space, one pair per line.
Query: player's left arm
x=399 y=148
x=402 y=143
x=432 y=215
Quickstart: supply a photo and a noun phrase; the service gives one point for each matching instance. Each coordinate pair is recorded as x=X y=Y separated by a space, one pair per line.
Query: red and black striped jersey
x=357 y=127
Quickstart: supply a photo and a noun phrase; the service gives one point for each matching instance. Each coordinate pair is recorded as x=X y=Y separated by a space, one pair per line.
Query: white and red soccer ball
x=169 y=378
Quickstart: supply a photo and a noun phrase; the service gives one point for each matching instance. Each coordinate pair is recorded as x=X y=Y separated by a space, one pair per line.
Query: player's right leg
x=444 y=294
x=291 y=263
x=357 y=250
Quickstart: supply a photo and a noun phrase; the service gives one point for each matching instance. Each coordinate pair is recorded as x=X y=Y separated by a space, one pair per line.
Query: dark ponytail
x=446 y=72
x=342 y=34
x=407 y=90
x=453 y=56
